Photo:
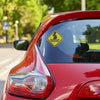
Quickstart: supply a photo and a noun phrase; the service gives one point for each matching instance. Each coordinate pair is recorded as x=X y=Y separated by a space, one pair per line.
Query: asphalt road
x=9 y=57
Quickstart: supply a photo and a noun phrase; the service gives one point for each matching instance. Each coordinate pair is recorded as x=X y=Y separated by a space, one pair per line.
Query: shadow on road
x=1 y=87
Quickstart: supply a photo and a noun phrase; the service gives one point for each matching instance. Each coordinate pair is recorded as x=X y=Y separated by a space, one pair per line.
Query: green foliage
x=92 y=34
x=93 y=4
x=64 y=5
x=1 y=12
x=72 y=5
x=31 y=15
x=30 y=12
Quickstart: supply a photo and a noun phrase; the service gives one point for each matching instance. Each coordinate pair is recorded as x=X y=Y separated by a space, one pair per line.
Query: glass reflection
x=80 y=43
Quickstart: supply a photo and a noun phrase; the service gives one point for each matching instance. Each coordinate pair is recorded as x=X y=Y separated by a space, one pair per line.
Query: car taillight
x=90 y=90
x=35 y=84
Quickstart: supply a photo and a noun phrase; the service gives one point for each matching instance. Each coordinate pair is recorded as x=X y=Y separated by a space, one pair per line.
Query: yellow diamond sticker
x=55 y=38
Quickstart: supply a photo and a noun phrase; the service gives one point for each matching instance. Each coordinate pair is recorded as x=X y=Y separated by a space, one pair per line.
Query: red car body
x=72 y=81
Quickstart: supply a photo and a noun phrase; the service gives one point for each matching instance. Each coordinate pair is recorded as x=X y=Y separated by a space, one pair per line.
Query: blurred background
x=19 y=19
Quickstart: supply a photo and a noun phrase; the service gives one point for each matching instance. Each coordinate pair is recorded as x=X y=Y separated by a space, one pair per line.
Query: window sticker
x=55 y=38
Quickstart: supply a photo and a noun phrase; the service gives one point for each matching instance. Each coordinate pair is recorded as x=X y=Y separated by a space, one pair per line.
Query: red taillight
x=90 y=90
x=35 y=84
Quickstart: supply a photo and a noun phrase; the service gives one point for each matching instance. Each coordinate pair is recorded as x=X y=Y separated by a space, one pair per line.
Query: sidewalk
x=9 y=57
x=6 y=45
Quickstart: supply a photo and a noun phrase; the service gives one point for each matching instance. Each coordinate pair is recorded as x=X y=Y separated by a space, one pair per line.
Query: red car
x=62 y=61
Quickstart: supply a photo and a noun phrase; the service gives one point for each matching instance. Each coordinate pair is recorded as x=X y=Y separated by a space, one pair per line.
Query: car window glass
x=72 y=41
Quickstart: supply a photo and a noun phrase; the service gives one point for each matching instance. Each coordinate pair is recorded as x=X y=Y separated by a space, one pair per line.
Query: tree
x=92 y=34
x=71 y=5
x=28 y=12
x=31 y=14
x=92 y=4
x=63 y=5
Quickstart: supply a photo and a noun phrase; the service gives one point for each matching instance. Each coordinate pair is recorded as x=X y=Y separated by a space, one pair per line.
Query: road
x=9 y=57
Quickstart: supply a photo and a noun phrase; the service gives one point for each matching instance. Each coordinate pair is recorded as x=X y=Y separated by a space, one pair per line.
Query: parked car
x=62 y=61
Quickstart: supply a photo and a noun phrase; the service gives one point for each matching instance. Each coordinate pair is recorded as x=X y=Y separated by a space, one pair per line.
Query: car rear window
x=76 y=41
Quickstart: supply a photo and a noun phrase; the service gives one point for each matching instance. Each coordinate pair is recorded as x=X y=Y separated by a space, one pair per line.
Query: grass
x=95 y=46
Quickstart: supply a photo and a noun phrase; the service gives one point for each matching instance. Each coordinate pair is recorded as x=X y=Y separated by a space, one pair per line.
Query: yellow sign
x=55 y=38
